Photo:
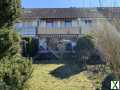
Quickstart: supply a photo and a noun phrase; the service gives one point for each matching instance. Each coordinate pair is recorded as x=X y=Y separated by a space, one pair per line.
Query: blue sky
x=68 y=3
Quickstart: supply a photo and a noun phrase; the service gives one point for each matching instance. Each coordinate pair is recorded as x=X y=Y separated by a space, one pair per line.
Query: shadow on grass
x=67 y=71
x=95 y=60
x=71 y=66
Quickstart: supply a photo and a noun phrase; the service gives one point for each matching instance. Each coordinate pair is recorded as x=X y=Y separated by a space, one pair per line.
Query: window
x=88 y=21
x=34 y=23
x=18 y=25
x=42 y=23
x=49 y=24
x=26 y=28
x=68 y=23
x=61 y=24
x=27 y=25
x=56 y=24
x=75 y=23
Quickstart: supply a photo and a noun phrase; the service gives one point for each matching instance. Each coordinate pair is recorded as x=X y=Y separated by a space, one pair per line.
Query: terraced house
x=62 y=23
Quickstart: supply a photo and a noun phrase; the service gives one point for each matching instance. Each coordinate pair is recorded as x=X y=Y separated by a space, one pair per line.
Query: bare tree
x=116 y=23
x=107 y=40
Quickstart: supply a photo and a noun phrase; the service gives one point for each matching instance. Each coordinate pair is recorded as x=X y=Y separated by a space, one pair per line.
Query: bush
x=106 y=83
x=9 y=42
x=14 y=72
x=84 y=47
x=31 y=46
x=85 y=43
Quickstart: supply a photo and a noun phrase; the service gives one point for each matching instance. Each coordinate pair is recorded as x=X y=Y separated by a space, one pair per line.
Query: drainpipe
x=37 y=28
x=38 y=23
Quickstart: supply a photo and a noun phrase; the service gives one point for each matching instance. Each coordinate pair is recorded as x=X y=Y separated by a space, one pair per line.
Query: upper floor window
x=34 y=23
x=56 y=24
x=62 y=24
x=27 y=25
x=42 y=23
x=88 y=21
x=75 y=23
x=18 y=25
x=49 y=23
x=68 y=23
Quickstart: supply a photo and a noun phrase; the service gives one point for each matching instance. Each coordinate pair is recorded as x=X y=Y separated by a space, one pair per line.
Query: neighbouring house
x=61 y=23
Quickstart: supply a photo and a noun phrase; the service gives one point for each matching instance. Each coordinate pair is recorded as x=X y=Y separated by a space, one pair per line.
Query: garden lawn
x=43 y=80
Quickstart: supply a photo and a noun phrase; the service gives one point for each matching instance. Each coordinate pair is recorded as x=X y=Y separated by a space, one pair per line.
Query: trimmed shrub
x=9 y=42
x=85 y=43
x=14 y=72
x=84 y=47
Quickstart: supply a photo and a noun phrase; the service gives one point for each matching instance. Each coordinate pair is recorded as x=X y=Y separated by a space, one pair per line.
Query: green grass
x=43 y=80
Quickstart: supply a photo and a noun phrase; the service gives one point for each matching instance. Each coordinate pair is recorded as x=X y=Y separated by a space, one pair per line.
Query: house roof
x=110 y=12
x=35 y=13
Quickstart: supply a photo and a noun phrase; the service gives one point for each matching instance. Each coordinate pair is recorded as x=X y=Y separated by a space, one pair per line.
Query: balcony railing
x=62 y=30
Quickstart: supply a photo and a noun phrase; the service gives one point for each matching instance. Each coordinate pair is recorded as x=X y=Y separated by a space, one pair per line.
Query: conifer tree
x=9 y=12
